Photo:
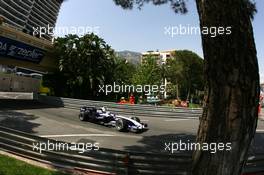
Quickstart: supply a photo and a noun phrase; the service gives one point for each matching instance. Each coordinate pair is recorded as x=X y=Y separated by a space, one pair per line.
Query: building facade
x=161 y=56
x=27 y=15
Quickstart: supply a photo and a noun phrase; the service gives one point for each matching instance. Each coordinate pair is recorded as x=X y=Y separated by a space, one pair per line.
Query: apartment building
x=25 y=15
x=161 y=56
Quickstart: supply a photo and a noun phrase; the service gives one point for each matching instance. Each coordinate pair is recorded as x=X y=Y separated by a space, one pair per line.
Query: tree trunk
x=231 y=90
x=189 y=91
x=177 y=90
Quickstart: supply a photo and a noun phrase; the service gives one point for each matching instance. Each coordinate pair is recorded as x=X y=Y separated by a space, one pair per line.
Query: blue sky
x=143 y=30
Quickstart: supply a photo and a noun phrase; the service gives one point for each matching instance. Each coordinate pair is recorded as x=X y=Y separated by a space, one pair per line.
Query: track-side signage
x=21 y=51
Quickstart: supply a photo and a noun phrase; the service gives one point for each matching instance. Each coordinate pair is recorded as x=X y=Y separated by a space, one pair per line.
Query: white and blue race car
x=102 y=116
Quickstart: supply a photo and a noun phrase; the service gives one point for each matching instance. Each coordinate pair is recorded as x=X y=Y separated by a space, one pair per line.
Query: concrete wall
x=18 y=95
x=14 y=83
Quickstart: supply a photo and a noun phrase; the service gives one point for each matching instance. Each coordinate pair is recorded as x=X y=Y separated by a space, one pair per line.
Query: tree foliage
x=179 y=6
x=185 y=71
x=148 y=73
x=84 y=63
x=122 y=71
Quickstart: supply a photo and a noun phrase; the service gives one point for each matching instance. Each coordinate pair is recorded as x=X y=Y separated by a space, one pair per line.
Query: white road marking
x=260 y=130
x=144 y=120
x=78 y=135
x=261 y=117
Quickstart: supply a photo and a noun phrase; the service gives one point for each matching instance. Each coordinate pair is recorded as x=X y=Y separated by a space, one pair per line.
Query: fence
x=126 y=109
x=105 y=161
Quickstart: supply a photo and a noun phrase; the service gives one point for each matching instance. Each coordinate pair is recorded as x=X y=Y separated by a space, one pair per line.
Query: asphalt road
x=63 y=124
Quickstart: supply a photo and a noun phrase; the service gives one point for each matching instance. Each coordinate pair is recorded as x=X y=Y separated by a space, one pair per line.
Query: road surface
x=63 y=124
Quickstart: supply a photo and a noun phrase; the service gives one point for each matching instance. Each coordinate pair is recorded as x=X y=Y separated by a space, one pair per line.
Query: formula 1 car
x=102 y=116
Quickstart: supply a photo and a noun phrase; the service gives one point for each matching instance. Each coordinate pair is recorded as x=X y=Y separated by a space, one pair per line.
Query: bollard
x=126 y=162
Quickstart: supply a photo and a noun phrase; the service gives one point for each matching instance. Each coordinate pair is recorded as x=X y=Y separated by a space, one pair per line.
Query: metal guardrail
x=126 y=109
x=105 y=160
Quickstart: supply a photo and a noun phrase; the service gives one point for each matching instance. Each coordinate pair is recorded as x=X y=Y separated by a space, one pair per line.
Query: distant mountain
x=132 y=57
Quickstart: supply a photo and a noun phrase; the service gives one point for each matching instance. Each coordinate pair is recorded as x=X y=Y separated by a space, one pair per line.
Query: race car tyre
x=82 y=117
x=121 y=125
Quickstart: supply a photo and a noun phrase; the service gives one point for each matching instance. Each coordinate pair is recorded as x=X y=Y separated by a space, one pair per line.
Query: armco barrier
x=106 y=161
x=126 y=109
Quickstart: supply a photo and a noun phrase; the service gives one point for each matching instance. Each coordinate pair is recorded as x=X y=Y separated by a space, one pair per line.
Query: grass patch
x=193 y=105
x=11 y=166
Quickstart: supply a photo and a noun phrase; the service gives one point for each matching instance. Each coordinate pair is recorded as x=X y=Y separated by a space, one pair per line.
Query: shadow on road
x=18 y=121
x=257 y=146
x=23 y=104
